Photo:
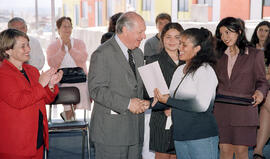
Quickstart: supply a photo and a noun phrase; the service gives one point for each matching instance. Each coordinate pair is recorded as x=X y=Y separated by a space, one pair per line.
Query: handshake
x=138 y=106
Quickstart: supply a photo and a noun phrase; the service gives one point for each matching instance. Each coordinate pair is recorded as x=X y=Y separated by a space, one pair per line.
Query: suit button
x=136 y=86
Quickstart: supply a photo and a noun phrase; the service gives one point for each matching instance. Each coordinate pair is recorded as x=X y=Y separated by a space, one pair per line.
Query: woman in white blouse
x=192 y=94
x=69 y=52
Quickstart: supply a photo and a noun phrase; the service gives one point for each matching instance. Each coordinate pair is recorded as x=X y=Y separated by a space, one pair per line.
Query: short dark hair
x=167 y=27
x=203 y=38
x=163 y=16
x=15 y=19
x=234 y=25
x=106 y=37
x=60 y=21
x=113 y=20
x=8 y=41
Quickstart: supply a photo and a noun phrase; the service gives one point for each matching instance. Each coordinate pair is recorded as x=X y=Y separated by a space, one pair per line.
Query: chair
x=69 y=95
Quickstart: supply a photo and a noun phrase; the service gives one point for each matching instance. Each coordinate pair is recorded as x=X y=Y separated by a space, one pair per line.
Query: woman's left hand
x=56 y=78
x=258 y=97
x=161 y=98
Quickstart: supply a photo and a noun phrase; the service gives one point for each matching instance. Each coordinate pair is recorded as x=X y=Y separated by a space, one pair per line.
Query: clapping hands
x=55 y=78
x=50 y=77
x=138 y=106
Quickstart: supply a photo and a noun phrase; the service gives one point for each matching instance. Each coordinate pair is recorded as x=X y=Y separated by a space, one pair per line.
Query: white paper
x=153 y=78
x=113 y=112
x=168 y=123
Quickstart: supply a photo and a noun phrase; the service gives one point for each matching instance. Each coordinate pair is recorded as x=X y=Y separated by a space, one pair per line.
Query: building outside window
x=65 y=9
x=131 y=4
x=146 y=5
x=76 y=14
x=266 y=2
x=209 y=2
x=182 y=5
x=84 y=9
x=109 y=9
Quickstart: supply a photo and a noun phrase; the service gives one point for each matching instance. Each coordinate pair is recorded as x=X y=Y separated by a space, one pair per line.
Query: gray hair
x=127 y=20
x=15 y=19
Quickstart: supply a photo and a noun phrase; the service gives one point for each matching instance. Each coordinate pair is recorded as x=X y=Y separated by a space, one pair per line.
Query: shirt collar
x=227 y=51
x=122 y=46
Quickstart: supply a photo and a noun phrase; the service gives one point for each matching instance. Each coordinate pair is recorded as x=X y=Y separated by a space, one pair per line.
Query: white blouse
x=199 y=87
x=68 y=61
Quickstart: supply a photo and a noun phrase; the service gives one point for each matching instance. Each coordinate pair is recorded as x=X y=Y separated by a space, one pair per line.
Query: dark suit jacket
x=248 y=75
x=111 y=85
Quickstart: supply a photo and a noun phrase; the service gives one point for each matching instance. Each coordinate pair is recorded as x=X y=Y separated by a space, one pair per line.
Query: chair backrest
x=67 y=95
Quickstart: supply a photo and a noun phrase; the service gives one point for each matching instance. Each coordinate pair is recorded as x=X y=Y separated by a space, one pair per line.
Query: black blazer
x=159 y=137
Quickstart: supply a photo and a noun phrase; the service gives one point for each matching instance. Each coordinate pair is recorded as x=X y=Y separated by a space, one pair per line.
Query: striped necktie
x=131 y=63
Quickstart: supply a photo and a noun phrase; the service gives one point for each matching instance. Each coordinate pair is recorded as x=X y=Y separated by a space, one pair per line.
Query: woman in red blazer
x=241 y=74
x=23 y=95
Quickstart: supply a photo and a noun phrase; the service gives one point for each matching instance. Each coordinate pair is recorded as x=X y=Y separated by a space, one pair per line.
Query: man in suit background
x=37 y=58
x=117 y=122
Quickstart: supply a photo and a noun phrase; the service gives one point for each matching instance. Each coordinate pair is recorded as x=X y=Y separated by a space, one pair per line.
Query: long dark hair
x=234 y=25
x=203 y=38
x=167 y=27
x=255 y=40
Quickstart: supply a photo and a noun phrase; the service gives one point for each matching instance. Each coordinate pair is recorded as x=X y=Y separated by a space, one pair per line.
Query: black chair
x=70 y=96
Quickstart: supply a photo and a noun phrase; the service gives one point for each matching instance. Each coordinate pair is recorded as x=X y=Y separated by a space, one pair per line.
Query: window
x=182 y=5
x=109 y=9
x=132 y=4
x=146 y=5
x=99 y=13
x=209 y=2
x=266 y=2
x=84 y=9
x=76 y=14
x=65 y=9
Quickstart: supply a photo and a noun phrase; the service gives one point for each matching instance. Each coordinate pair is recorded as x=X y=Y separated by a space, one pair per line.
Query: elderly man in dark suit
x=117 y=122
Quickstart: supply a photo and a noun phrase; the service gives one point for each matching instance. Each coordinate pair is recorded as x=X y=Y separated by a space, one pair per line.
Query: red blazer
x=248 y=75
x=20 y=102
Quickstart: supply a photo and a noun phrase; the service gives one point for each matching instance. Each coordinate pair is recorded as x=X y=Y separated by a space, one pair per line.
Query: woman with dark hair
x=261 y=40
x=241 y=75
x=192 y=94
x=23 y=95
x=111 y=28
x=113 y=20
x=168 y=59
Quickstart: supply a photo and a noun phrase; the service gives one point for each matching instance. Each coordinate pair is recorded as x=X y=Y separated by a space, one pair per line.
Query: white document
x=153 y=78
x=168 y=123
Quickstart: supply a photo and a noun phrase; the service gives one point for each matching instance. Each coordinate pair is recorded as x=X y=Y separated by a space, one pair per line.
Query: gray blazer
x=111 y=85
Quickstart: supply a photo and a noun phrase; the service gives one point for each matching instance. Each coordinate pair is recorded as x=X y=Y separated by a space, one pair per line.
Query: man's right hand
x=137 y=106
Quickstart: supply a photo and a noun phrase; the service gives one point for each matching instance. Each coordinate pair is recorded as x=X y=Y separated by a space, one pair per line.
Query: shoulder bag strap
x=179 y=85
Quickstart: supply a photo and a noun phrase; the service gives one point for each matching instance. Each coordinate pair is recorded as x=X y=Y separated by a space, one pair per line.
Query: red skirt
x=237 y=125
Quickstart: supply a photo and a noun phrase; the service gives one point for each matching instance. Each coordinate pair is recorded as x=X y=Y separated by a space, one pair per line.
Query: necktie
x=131 y=63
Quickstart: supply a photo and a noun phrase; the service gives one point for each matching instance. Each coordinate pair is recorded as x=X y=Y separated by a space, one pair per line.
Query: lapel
x=223 y=64
x=241 y=59
x=16 y=71
x=120 y=57
x=138 y=61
